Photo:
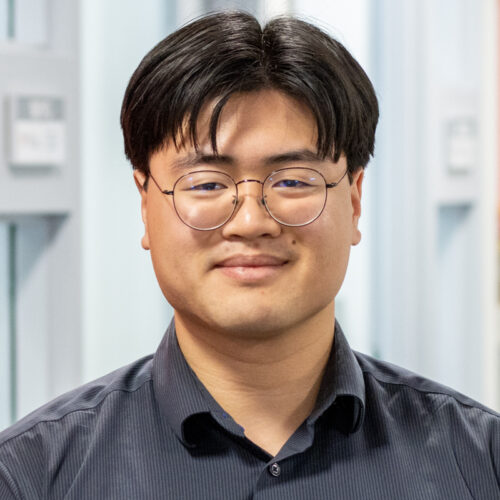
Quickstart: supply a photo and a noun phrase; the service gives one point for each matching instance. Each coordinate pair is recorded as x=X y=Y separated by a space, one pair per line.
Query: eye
x=208 y=186
x=290 y=183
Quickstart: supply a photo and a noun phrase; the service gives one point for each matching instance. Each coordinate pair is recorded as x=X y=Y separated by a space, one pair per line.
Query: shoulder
x=391 y=379
x=419 y=413
x=434 y=412
x=86 y=398
x=60 y=432
x=437 y=430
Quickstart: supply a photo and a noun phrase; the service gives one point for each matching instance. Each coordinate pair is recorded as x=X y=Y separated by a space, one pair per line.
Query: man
x=248 y=146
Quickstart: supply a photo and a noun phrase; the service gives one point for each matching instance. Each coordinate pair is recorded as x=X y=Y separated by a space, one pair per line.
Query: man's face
x=252 y=276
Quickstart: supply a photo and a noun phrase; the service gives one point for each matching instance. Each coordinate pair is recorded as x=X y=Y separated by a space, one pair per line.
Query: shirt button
x=275 y=470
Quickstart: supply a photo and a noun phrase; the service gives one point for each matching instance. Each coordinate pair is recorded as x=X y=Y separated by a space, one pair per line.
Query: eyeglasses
x=206 y=199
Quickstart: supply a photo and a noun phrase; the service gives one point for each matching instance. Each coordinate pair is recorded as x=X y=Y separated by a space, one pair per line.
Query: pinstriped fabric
x=151 y=430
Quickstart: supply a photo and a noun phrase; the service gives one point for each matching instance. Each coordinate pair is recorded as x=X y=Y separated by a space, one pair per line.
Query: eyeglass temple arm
x=333 y=184
x=164 y=191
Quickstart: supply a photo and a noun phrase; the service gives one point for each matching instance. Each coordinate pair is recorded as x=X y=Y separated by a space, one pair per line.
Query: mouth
x=251 y=268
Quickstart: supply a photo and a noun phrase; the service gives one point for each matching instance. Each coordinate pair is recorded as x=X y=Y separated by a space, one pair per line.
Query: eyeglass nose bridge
x=244 y=181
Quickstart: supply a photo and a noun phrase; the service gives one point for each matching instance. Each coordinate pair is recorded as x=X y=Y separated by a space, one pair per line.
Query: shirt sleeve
x=23 y=466
x=474 y=437
x=8 y=487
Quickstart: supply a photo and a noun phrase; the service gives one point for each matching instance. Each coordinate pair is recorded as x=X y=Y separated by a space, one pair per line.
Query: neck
x=269 y=385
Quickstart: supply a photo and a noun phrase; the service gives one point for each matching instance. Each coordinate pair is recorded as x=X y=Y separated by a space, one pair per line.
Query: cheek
x=168 y=247
x=177 y=253
x=329 y=244
x=174 y=269
x=333 y=253
x=334 y=224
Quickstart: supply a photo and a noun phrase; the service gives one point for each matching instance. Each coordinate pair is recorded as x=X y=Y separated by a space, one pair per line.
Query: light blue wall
x=5 y=361
x=124 y=311
x=432 y=309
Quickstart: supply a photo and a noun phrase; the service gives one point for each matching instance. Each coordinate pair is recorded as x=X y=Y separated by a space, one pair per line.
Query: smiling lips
x=251 y=268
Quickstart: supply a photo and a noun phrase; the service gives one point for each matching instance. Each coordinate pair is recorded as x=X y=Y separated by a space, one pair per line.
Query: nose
x=251 y=219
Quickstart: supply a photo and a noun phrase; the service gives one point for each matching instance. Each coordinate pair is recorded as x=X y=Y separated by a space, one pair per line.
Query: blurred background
x=78 y=297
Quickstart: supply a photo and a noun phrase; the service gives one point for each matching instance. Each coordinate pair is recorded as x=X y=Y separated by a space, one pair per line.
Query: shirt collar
x=176 y=386
x=183 y=399
x=342 y=390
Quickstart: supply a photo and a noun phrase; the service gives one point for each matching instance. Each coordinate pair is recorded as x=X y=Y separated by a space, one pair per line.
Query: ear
x=140 y=178
x=356 y=185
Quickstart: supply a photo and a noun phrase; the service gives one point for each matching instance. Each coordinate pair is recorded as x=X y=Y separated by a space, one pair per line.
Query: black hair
x=220 y=54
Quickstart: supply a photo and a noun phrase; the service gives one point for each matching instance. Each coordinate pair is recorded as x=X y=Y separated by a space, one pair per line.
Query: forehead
x=253 y=125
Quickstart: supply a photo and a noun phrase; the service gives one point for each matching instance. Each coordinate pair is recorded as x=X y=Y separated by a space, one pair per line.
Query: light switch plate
x=461 y=145
x=36 y=131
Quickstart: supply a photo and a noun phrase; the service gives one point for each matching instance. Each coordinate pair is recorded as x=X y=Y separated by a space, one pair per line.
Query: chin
x=250 y=324
x=254 y=322
x=243 y=321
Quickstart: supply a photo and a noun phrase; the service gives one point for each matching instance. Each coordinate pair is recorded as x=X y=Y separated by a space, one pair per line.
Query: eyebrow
x=301 y=155
x=197 y=159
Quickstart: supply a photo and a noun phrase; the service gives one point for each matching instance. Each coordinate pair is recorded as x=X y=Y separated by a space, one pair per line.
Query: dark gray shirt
x=151 y=430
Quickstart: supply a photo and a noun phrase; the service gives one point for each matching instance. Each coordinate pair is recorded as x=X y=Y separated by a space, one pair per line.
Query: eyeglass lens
x=207 y=199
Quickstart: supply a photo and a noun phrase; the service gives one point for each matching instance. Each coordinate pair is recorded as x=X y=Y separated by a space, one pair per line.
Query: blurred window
x=24 y=21
x=7 y=388
x=4 y=19
x=247 y=5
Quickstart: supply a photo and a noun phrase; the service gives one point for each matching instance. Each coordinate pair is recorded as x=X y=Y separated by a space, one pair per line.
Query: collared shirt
x=151 y=430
